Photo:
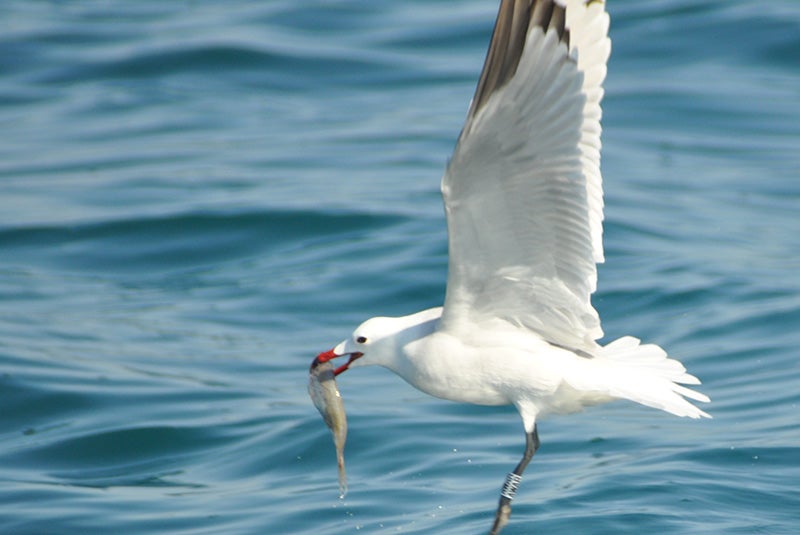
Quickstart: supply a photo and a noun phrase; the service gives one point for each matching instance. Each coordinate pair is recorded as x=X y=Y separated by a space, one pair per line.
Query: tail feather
x=645 y=374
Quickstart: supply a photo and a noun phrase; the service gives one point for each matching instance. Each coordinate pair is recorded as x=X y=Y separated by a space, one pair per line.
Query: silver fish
x=328 y=401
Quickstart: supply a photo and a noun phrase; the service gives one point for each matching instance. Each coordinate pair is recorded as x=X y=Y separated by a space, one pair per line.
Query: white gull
x=523 y=198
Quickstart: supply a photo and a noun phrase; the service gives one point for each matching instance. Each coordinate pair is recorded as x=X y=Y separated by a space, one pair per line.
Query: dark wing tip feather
x=515 y=19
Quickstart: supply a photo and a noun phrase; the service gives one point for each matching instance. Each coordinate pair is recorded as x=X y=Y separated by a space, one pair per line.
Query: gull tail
x=645 y=374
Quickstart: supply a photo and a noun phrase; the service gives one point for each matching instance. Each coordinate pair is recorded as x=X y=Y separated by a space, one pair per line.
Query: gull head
x=376 y=341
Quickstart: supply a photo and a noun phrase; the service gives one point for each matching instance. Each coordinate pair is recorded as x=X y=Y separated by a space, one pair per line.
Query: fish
x=328 y=401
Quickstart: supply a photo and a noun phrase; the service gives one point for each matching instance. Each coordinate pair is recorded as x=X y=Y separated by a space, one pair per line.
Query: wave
x=174 y=240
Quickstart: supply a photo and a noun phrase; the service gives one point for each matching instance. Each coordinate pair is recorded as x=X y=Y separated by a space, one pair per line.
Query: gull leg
x=512 y=482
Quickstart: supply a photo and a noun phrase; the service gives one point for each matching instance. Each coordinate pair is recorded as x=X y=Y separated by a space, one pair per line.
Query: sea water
x=198 y=197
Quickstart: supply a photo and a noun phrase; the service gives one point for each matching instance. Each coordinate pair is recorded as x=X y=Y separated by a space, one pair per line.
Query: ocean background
x=198 y=197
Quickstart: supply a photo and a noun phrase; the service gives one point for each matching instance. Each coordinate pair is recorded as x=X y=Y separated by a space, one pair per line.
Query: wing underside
x=523 y=191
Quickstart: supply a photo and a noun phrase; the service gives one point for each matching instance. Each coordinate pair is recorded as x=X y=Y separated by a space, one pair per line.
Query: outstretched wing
x=523 y=191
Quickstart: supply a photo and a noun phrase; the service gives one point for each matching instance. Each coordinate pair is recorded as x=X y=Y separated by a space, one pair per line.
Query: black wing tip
x=515 y=19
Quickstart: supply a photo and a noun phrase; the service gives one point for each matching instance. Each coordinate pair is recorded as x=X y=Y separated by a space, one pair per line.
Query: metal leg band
x=511 y=485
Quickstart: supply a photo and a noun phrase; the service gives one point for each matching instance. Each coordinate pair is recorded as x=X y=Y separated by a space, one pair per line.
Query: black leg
x=512 y=483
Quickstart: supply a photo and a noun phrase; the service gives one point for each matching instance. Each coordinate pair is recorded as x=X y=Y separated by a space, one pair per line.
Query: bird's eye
x=361 y=339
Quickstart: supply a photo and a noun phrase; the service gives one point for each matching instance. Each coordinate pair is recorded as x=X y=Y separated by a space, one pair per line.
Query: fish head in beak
x=341 y=350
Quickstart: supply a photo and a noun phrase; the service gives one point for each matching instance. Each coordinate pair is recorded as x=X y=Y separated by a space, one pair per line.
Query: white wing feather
x=523 y=191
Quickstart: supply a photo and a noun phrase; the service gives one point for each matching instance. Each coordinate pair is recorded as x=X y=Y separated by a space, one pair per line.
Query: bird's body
x=506 y=368
x=502 y=364
x=523 y=199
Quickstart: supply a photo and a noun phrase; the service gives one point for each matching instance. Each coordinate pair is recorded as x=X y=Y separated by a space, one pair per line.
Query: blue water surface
x=198 y=197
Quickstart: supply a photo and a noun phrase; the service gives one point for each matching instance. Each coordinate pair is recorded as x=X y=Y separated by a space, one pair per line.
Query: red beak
x=325 y=356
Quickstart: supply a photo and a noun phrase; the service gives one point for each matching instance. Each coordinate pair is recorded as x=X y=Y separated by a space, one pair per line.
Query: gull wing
x=523 y=190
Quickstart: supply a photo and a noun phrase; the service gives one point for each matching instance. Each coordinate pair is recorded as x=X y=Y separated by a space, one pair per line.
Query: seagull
x=523 y=199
